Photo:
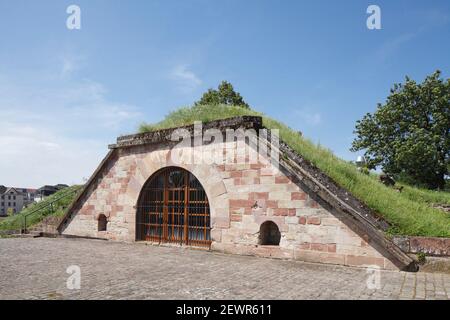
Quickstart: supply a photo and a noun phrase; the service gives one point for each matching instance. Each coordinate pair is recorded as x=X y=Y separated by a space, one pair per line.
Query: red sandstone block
x=256 y=166
x=305 y=246
x=332 y=258
x=236 y=174
x=282 y=179
x=298 y=196
x=250 y=173
x=221 y=167
x=292 y=212
x=364 y=261
x=266 y=172
x=256 y=180
x=313 y=220
x=258 y=196
x=302 y=220
x=272 y=203
x=241 y=203
x=262 y=251
x=235 y=217
x=280 y=212
x=237 y=181
x=116 y=208
x=332 y=247
x=319 y=247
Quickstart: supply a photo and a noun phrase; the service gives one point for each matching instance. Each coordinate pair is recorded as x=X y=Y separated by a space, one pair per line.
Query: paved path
x=36 y=269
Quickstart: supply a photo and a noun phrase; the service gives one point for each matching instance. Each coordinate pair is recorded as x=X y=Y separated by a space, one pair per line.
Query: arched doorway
x=102 y=223
x=173 y=207
x=269 y=234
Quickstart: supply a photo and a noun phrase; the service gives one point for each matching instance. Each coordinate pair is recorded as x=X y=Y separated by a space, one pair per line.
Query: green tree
x=224 y=94
x=409 y=136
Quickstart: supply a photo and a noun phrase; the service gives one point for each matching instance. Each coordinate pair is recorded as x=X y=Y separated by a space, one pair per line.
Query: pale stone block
x=291 y=220
x=238 y=195
x=220 y=212
x=216 y=234
x=280 y=195
x=267 y=180
x=217 y=189
x=220 y=222
x=250 y=174
x=228 y=238
x=291 y=204
x=331 y=221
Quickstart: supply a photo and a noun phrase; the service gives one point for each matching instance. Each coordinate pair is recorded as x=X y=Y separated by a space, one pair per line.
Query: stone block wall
x=242 y=196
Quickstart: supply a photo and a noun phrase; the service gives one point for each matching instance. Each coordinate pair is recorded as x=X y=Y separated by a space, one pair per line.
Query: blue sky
x=65 y=94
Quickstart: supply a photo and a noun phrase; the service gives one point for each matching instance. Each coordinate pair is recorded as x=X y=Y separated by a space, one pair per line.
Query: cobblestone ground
x=36 y=269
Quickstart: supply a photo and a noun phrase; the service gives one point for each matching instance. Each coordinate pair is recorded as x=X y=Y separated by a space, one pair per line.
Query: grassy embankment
x=409 y=212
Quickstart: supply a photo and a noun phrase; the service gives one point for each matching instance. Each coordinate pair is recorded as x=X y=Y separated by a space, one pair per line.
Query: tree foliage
x=10 y=212
x=224 y=94
x=409 y=136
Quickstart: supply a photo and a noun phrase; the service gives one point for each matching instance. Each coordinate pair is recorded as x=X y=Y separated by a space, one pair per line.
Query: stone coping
x=438 y=247
x=164 y=135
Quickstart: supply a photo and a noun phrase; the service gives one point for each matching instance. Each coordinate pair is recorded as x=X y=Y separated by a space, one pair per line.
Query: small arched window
x=269 y=234
x=102 y=222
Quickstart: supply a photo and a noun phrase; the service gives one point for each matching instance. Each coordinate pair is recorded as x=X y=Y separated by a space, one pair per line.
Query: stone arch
x=102 y=222
x=173 y=207
x=149 y=162
x=269 y=234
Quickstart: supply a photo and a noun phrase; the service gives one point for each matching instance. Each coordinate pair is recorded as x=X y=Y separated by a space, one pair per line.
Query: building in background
x=48 y=190
x=13 y=200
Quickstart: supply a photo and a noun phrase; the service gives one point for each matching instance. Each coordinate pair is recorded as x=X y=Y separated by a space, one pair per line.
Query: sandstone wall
x=242 y=196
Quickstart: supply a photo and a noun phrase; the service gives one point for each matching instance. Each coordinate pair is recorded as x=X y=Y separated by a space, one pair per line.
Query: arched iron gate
x=173 y=207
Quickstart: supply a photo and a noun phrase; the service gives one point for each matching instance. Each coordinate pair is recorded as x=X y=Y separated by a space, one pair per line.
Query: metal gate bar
x=173 y=207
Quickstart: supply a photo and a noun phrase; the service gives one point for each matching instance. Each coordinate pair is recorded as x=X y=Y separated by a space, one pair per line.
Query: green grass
x=425 y=195
x=409 y=212
x=15 y=222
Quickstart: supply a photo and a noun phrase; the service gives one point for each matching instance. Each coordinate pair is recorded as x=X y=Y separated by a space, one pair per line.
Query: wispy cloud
x=35 y=155
x=186 y=80
x=436 y=17
x=393 y=45
x=57 y=133
x=311 y=118
x=70 y=64
x=424 y=22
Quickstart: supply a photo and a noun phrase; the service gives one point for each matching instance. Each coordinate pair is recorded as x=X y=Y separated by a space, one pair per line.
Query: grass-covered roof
x=409 y=212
